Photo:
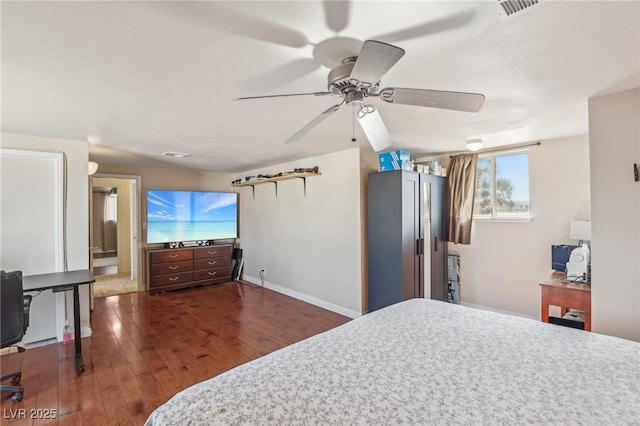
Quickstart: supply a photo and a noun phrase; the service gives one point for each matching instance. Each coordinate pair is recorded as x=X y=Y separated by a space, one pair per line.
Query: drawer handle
x=212 y=263
x=173 y=278
x=173 y=268
x=173 y=256
x=213 y=273
x=212 y=252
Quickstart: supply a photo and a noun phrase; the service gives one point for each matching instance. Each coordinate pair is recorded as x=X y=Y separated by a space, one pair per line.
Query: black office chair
x=14 y=321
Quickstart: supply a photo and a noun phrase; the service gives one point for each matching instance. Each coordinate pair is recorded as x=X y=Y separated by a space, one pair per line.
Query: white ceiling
x=149 y=77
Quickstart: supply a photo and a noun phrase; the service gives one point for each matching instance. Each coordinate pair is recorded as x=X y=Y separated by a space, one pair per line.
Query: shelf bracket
x=304 y=184
x=276 y=184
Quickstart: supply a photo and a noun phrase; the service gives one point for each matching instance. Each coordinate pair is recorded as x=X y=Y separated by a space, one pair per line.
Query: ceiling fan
x=358 y=78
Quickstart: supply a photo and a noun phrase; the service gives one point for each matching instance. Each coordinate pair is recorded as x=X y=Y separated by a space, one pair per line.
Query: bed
x=426 y=362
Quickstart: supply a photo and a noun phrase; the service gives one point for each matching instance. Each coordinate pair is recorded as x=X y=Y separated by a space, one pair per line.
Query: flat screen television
x=178 y=216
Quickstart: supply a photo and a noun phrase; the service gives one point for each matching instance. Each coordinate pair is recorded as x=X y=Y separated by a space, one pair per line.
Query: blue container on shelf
x=394 y=160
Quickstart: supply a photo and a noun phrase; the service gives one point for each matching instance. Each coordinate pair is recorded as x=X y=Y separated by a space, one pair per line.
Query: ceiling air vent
x=513 y=6
x=176 y=154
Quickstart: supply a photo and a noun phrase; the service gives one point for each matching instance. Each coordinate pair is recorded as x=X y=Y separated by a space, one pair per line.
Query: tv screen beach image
x=176 y=216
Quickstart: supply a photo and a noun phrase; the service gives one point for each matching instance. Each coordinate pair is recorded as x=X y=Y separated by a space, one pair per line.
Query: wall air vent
x=513 y=6
x=176 y=154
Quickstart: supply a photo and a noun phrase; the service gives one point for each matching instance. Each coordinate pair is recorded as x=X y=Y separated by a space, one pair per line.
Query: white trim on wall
x=304 y=297
x=136 y=223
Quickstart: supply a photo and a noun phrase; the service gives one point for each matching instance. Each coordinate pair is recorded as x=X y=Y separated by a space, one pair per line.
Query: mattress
x=426 y=362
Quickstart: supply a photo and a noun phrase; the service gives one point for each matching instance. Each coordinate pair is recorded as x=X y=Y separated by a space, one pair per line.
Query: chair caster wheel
x=17 y=397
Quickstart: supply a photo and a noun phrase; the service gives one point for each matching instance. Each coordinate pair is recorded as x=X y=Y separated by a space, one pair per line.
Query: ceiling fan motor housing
x=339 y=78
x=340 y=82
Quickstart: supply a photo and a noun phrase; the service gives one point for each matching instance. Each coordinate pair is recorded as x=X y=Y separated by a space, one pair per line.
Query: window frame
x=503 y=217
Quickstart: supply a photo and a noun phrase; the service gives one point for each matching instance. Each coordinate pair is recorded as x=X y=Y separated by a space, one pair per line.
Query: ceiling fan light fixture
x=474 y=145
x=374 y=128
x=366 y=109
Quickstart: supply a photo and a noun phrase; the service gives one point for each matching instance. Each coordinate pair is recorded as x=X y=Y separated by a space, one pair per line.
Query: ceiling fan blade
x=313 y=123
x=439 y=25
x=457 y=101
x=374 y=60
x=212 y=16
x=284 y=95
x=283 y=74
x=374 y=128
x=336 y=13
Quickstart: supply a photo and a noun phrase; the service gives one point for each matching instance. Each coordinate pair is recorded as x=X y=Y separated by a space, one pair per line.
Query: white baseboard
x=85 y=331
x=305 y=297
x=500 y=311
x=39 y=343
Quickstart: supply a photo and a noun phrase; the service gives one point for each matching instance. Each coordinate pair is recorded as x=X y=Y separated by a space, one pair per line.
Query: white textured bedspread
x=426 y=362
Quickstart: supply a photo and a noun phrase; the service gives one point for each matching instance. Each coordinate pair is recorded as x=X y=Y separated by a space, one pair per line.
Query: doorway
x=114 y=234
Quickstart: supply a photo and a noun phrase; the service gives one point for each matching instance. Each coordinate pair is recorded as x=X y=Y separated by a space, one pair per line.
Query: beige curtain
x=462 y=189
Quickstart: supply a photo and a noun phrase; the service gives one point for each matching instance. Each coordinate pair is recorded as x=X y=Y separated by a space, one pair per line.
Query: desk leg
x=544 y=316
x=76 y=323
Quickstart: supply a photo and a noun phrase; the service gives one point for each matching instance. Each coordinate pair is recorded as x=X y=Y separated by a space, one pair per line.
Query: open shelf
x=275 y=181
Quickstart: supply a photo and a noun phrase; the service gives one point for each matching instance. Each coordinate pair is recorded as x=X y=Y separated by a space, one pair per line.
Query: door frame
x=136 y=222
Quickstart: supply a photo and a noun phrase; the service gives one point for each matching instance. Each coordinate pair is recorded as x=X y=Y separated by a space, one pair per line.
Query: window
x=502 y=186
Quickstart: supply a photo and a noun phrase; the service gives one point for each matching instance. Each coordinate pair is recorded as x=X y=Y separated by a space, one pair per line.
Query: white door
x=32 y=223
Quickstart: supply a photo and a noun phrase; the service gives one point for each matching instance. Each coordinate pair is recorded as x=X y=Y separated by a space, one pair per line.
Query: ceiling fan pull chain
x=353 y=123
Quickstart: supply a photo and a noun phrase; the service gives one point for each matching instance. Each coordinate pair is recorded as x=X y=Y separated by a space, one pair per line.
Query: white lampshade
x=93 y=167
x=474 y=145
x=580 y=230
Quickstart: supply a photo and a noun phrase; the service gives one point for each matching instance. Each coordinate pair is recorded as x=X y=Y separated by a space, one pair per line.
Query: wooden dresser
x=172 y=269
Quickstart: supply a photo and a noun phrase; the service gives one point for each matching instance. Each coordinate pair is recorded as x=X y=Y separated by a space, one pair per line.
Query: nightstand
x=557 y=291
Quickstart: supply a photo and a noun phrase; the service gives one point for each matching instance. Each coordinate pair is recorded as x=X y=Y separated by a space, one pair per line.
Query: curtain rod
x=503 y=148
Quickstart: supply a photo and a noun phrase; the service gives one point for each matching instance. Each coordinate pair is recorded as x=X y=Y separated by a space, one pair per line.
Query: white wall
x=614 y=130
x=309 y=245
x=77 y=154
x=505 y=262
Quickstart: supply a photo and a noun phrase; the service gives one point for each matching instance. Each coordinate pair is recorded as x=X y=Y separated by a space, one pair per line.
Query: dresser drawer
x=170 y=279
x=211 y=274
x=171 y=256
x=211 y=262
x=175 y=269
x=211 y=251
x=171 y=267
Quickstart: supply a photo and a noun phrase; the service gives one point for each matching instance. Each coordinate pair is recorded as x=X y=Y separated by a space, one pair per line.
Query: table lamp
x=580 y=230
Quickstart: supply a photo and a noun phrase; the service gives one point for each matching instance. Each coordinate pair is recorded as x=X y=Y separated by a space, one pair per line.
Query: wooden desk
x=63 y=281
x=557 y=291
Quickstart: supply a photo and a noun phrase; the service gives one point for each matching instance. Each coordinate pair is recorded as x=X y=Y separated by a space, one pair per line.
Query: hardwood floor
x=145 y=348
